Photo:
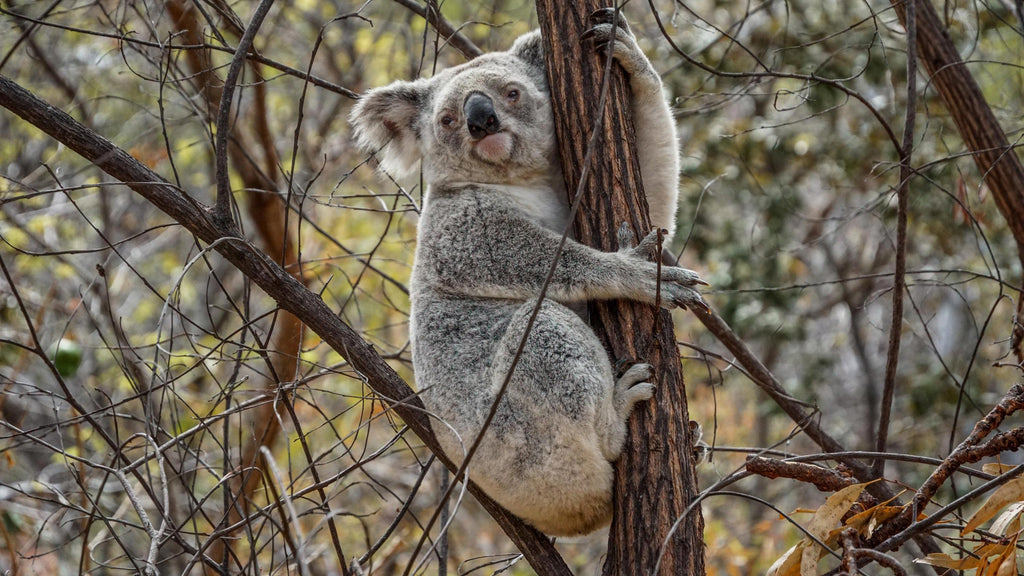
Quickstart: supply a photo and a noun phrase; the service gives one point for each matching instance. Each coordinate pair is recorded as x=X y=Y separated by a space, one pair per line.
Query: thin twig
x=222 y=210
x=899 y=279
x=450 y=33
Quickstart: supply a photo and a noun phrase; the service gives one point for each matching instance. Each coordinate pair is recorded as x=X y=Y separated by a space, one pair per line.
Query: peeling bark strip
x=273 y=279
x=654 y=478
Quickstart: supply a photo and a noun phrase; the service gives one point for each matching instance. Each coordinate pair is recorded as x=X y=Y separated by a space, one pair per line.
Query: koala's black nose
x=480 y=117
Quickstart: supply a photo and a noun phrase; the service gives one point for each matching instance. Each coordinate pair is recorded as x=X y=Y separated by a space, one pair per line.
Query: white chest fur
x=547 y=206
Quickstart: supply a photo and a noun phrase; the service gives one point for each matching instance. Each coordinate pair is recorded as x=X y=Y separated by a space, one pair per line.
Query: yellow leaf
x=882 y=514
x=947 y=561
x=1012 y=491
x=821 y=524
x=867 y=521
x=995 y=468
x=789 y=563
x=1008 y=563
x=1008 y=522
x=1003 y=565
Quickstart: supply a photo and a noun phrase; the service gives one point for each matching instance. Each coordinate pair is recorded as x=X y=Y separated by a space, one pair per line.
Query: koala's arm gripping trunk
x=655 y=481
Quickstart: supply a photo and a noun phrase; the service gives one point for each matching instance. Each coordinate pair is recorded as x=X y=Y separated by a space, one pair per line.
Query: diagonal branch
x=273 y=279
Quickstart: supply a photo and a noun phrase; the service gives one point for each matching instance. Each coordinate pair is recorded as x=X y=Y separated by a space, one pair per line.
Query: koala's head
x=488 y=120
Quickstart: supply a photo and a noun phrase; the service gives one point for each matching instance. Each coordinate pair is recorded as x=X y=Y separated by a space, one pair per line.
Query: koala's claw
x=603 y=21
x=691 y=300
x=677 y=288
x=607 y=16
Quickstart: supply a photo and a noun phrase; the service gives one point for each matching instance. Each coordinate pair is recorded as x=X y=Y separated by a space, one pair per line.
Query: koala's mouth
x=495 y=147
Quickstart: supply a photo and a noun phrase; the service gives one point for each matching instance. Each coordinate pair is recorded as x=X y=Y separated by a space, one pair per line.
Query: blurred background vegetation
x=787 y=208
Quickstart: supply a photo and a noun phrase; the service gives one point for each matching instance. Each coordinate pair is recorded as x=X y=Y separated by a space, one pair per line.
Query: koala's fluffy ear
x=387 y=121
x=530 y=48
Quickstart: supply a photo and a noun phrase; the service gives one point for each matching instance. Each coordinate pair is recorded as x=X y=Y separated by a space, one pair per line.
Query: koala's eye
x=447 y=121
x=512 y=95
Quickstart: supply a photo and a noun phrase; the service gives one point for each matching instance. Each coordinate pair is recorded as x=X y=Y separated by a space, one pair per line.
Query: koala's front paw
x=607 y=16
x=677 y=289
x=619 y=43
x=677 y=284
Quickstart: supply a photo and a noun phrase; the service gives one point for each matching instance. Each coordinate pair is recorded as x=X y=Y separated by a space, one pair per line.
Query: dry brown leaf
x=789 y=563
x=1012 y=491
x=947 y=561
x=827 y=516
x=882 y=515
x=1003 y=565
x=995 y=468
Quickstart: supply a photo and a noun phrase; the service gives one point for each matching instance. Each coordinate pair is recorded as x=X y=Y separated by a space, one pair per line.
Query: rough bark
x=655 y=480
x=273 y=279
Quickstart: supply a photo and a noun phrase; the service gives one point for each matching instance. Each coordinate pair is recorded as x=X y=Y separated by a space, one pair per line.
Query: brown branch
x=451 y=35
x=1009 y=441
x=824 y=479
x=1011 y=402
x=852 y=555
x=273 y=279
x=900 y=276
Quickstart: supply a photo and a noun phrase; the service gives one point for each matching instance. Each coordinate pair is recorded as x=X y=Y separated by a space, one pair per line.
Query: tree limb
x=273 y=279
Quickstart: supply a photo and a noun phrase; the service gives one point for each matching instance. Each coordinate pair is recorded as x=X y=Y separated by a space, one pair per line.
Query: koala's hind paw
x=630 y=388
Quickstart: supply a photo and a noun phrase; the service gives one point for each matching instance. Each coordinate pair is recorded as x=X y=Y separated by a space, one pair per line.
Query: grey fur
x=489 y=229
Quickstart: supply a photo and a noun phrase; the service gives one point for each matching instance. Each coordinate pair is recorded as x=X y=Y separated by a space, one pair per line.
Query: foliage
x=788 y=207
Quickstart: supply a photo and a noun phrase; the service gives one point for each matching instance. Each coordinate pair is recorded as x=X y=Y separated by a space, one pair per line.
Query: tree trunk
x=996 y=159
x=654 y=478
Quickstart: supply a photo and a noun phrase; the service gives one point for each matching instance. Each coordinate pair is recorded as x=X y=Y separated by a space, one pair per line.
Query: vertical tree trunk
x=655 y=479
x=996 y=159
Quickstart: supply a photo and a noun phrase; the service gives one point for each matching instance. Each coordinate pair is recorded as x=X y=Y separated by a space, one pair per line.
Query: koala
x=492 y=219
